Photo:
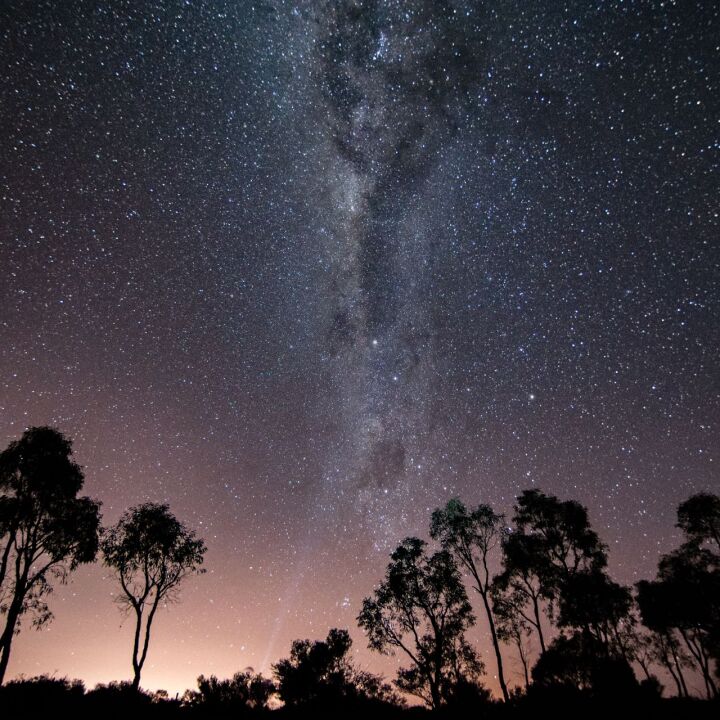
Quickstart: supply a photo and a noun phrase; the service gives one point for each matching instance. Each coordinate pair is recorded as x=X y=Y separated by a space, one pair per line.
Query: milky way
x=307 y=270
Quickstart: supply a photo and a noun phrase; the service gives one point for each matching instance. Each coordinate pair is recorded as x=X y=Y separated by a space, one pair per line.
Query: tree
x=151 y=553
x=512 y=626
x=246 y=690
x=664 y=649
x=579 y=662
x=683 y=600
x=422 y=609
x=314 y=669
x=569 y=544
x=46 y=530
x=320 y=672
x=593 y=603
x=551 y=543
x=471 y=536
x=525 y=583
x=699 y=519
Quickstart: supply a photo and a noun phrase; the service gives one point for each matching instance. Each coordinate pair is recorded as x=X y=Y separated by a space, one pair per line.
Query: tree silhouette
x=525 y=583
x=684 y=600
x=512 y=626
x=569 y=544
x=471 y=536
x=151 y=553
x=246 y=690
x=590 y=601
x=699 y=519
x=552 y=542
x=314 y=669
x=580 y=662
x=320 y=672
x=664 y=649
x=46 y=530
x=422 y=609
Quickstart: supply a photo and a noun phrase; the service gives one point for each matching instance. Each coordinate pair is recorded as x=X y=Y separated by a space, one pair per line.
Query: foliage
x=591 y=601
x=684 y=601
x=422 y=609
x=699 y=519
x=512 y=626
x=471 y=536
x=245 y=691
x=320 y=672
x=151 y=553
x=46 y=530
x=569 y=545
x=581 y=662
x=524 y=587
x=553 y=559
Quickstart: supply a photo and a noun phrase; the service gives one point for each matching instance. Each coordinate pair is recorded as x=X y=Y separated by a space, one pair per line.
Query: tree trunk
x=139 y=656
x=136 y=647
x=523 y=660
x=496 y=646
x=698 y=652
x=7 y=636
x=4 y=656
x=669 y=668
x=676 y=660
x=536 y=609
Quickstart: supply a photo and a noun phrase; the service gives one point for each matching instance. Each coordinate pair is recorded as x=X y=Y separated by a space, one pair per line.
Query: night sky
x=307 y=270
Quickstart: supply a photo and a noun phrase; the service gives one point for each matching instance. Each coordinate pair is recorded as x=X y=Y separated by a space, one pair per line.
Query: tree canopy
x=471 y=536
x=151 y=553
x=46 y=530
x=699 y=519
x=421 y=608
x=320 y=673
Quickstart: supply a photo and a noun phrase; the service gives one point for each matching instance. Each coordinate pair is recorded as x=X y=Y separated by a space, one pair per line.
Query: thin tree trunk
x=16 y=605
x=496 y=646
x=536 y=610
x=435 y=688
x=6 y=556
x=678 y=667
x=698 y=652
x=148 y=626
x=136 y=648
x=4 y=656
x=673 y=675
x=523 y=660
x=5 y=644
x=644 y=666
x=7 y=637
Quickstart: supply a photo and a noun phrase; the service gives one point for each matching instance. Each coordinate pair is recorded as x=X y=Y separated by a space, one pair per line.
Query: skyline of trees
x=541 y=584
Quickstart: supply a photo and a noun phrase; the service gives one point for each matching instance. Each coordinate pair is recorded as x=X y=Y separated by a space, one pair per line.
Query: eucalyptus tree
x=46 y=530
x=699 y=518
x=421 y=609
x=683 y=603
x=151 y=552
x=548 y=555
x=472 y=536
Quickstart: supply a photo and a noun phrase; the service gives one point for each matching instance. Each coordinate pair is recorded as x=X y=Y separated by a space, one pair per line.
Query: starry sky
x=306 y=270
